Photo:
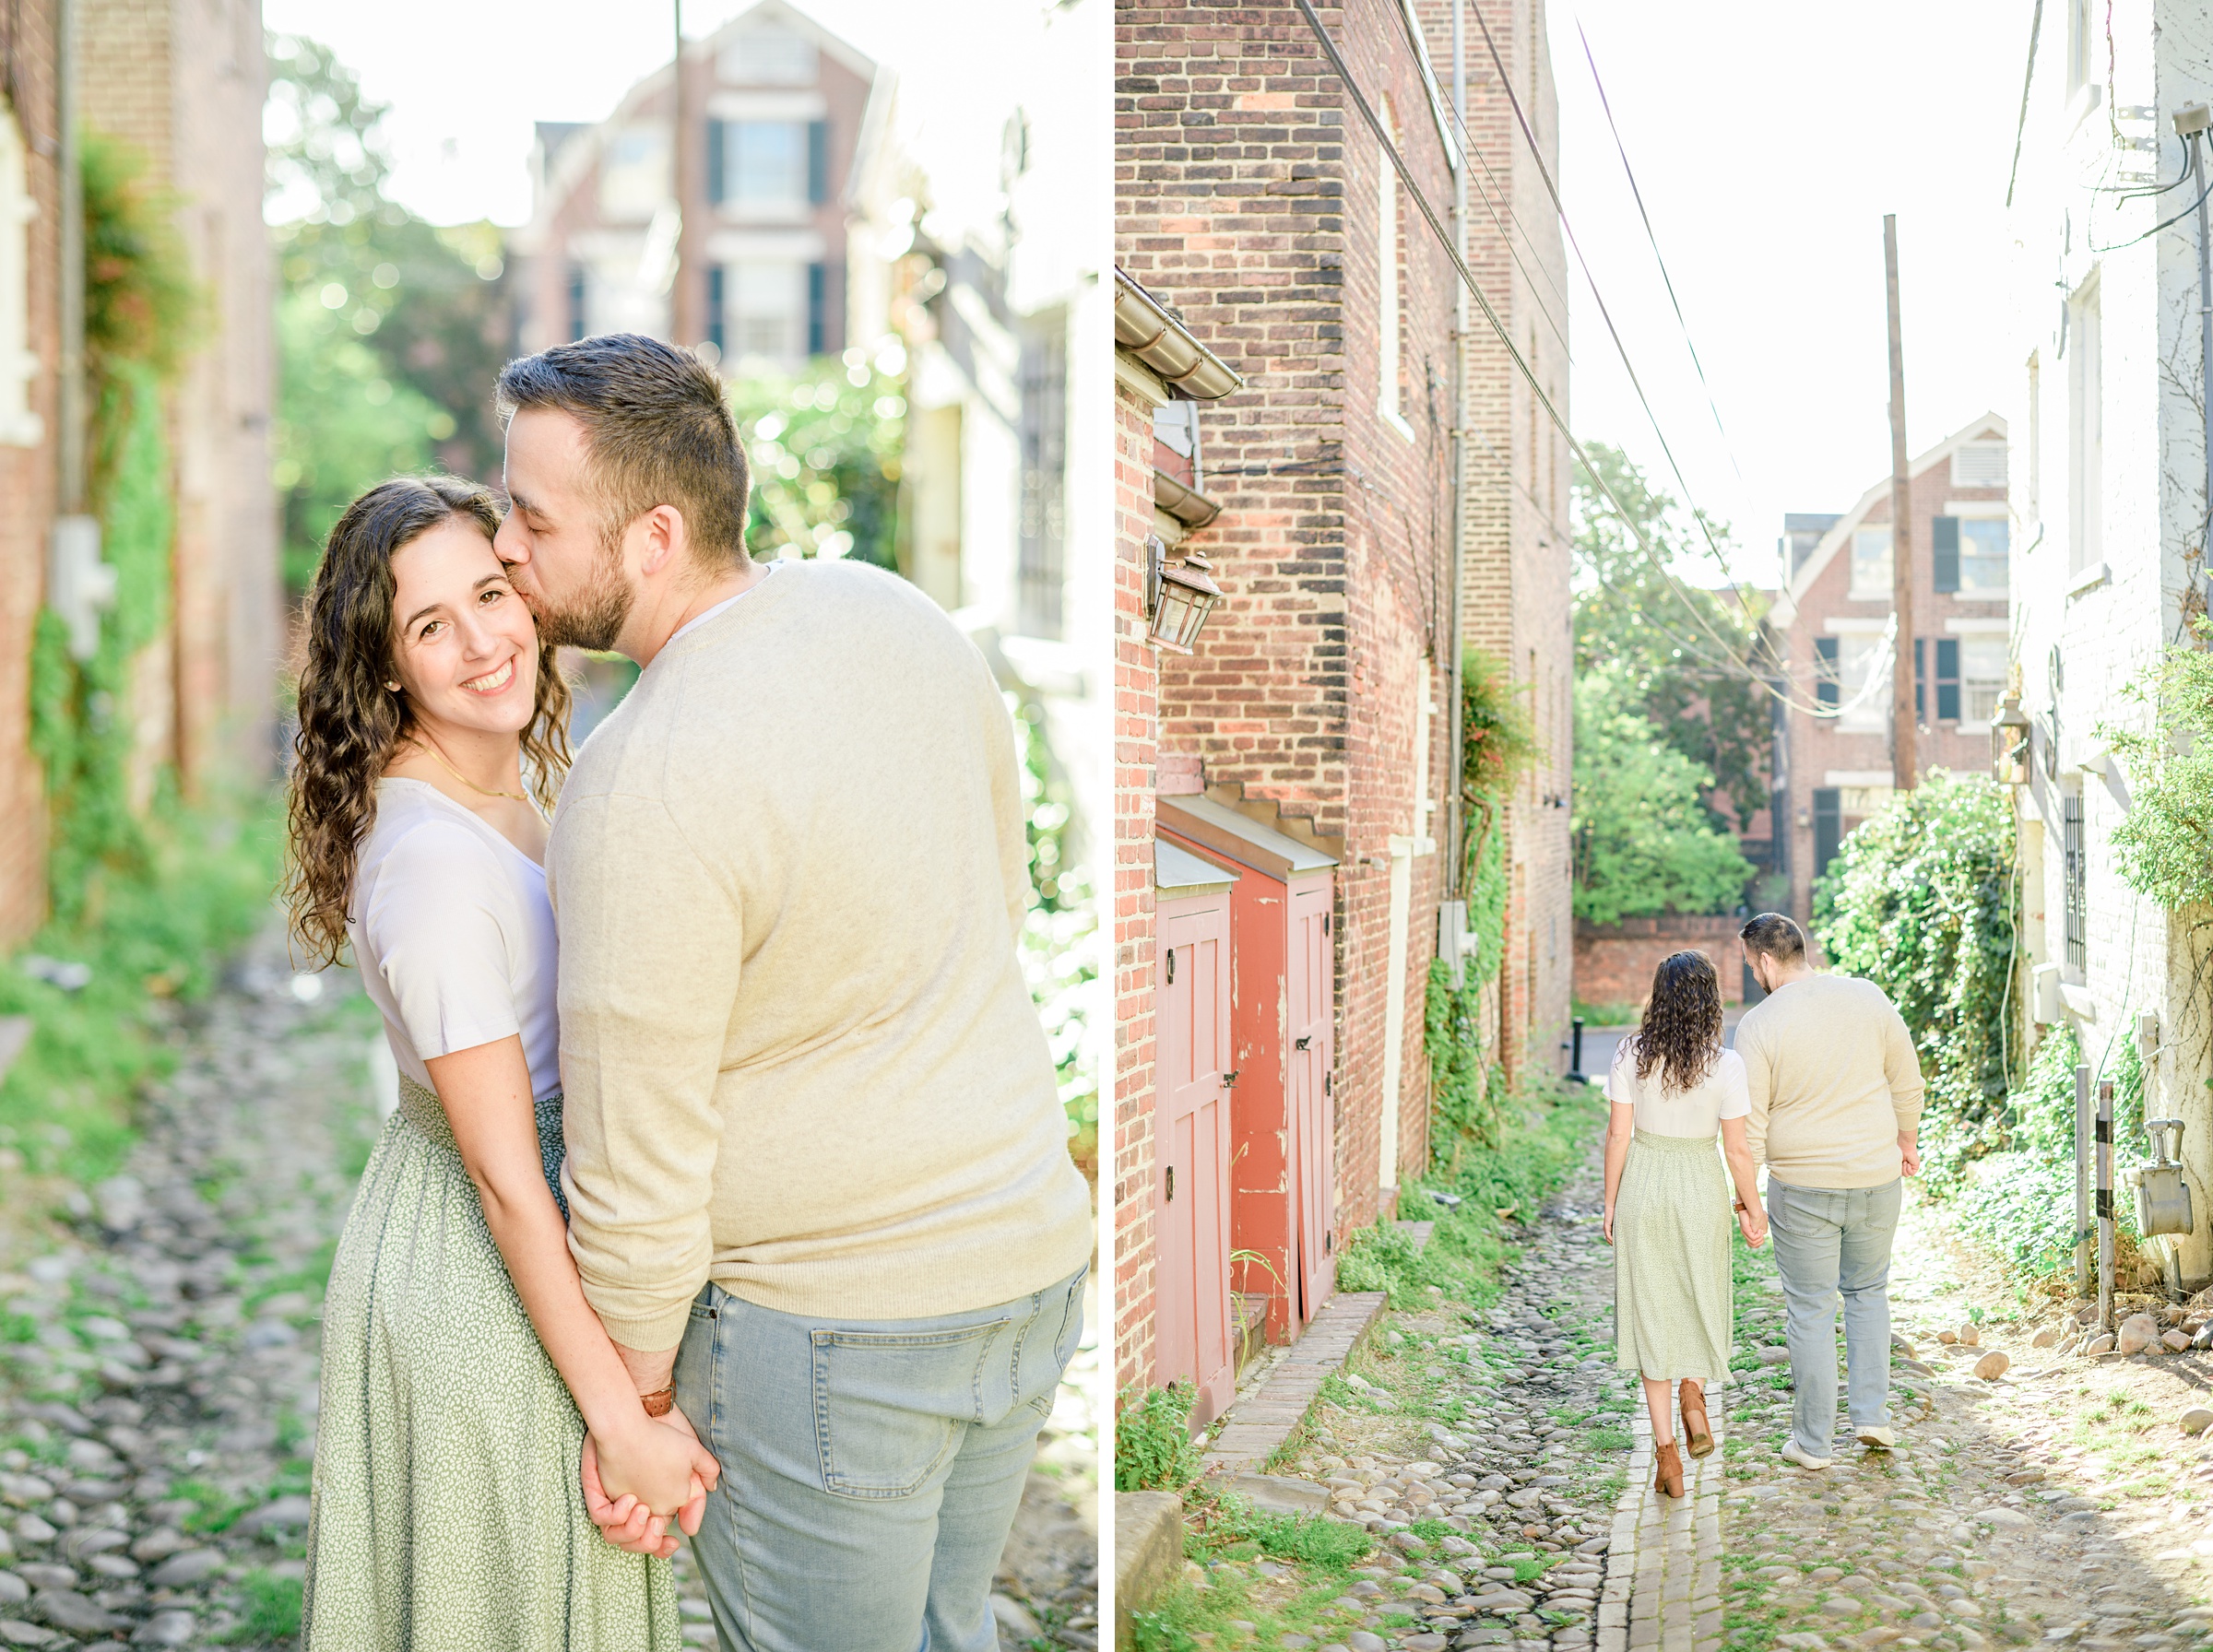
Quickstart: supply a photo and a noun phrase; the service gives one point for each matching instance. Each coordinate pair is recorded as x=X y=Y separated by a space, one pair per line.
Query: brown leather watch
x=660 y=1402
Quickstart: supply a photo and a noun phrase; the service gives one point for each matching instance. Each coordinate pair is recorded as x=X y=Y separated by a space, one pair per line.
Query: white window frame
x=2035 y=437
x=1857 y=652
x=1855 y=589
x=1987 y=641
x=19 y=424
x=2085 y=427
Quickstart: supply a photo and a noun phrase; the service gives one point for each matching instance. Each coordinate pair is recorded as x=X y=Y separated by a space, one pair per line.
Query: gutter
x=1188 y=505
x=1149 y=330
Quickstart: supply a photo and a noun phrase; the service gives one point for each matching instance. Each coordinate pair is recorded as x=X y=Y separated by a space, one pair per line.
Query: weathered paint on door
x=1191 y=1157
x=1309 y=990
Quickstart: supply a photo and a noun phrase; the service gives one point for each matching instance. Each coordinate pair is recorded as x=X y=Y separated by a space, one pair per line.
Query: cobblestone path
x=159 y=1368
x=1484 y=1448
x=2061 y=1501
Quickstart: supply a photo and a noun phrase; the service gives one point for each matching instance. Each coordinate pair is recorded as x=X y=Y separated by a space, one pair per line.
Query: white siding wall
x=2147 y=467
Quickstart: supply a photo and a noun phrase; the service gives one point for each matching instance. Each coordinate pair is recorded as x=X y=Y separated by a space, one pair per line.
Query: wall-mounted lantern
x=2009 y=741
x=1178 y=595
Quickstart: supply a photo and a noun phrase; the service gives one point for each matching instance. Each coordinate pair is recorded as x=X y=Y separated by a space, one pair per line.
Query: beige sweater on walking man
x=799 y=1054
x=1833 y=1078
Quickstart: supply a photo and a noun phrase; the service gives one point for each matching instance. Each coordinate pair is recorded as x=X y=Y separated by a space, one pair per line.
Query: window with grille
x=1040 y=568
x=2077 y=880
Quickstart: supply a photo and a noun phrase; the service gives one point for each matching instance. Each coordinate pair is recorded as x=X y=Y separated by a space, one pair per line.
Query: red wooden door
x=1310 y=988
x=1191 y=1196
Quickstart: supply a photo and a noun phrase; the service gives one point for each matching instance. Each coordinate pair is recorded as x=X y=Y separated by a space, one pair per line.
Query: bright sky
x=1768 y=141
x=462 y=112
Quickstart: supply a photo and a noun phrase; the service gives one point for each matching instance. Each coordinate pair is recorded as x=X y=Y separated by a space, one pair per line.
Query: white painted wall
x=2146 y=469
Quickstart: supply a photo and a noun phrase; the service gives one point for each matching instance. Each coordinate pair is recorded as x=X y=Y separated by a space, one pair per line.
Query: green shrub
x=272 y=1610
x=1920 y=901
x=1153 y=1447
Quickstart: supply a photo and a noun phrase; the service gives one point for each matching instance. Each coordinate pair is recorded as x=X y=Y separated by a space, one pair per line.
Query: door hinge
x=1171 y=1197
x=1171 y=966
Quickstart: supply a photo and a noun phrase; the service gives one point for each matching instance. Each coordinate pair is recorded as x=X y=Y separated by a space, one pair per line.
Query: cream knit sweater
x=799 y=1054
x=1833 y=1078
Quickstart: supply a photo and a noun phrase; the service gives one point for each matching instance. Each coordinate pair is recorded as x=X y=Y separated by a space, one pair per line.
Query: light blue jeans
x=1832 y=1242
x=871 y=1469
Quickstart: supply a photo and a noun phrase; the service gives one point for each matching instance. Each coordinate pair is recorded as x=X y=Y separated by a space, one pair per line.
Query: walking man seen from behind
x=1836 y=1094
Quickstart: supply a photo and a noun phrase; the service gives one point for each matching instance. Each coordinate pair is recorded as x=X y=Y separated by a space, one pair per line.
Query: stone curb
x=1255 y=1428
x=1148 y=1552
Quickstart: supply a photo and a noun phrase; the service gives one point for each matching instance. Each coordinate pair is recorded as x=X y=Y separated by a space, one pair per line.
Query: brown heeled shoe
x=1668 y=1469
x=1697 y=1434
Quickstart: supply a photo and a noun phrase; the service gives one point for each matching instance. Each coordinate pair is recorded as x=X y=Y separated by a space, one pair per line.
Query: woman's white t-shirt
x=1699 y=1111
x=453 y=935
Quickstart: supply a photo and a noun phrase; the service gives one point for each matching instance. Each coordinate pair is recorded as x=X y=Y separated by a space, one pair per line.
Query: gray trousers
x=1832 y=1244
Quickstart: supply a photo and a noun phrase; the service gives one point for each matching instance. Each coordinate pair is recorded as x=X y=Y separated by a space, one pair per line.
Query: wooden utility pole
x=686 y=289
x=1902 y=716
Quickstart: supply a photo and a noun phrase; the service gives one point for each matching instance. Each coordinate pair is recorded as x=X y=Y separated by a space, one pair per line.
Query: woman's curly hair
x=1681 y=1032
x=350 y=723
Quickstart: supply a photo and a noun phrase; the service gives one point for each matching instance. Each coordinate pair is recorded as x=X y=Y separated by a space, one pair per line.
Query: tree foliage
x=1920 y=900
x=409 y=322
x=2163 y=846
x=1642 y=842
x=1679 y=648
x=825 y=446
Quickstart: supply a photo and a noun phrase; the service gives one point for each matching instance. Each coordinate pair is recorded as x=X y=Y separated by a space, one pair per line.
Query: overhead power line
x=1506 y=84
x=1621 y=149
x=1437 y=228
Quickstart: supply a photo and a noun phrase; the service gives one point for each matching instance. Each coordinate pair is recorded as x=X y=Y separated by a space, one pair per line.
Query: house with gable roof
x=1833 y=756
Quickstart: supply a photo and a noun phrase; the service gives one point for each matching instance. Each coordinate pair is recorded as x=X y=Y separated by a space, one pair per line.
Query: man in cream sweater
x=817 y=1172
x=1836 y=1094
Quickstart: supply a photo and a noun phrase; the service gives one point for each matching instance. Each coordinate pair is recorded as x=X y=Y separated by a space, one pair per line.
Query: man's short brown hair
x=1772 y=934
x=656 y=432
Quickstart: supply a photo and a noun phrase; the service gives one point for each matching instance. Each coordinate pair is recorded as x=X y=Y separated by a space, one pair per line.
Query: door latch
x=1305 y=1043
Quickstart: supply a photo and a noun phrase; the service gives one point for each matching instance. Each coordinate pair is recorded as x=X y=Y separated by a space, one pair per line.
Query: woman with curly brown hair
x=463 y=1369
x=1672 y=1087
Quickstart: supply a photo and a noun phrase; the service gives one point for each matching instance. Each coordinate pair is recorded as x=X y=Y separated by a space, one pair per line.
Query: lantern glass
x=2010 y=742
x=1186 y=597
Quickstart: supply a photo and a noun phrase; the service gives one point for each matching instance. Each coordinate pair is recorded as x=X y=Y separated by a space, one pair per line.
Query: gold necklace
x=480 y=790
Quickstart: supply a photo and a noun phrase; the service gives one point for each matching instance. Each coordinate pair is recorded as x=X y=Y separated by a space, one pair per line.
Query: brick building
x=1303 y=752
x=774 y=111
x=30 y=365
x=1835 y=766
x=183 y=85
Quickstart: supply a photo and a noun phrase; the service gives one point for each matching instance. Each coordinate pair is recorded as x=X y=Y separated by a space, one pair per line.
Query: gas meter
x=2162 y=1196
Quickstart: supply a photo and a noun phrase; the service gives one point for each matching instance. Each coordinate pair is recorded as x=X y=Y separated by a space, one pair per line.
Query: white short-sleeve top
x=453 y=935
x=1697 y=1110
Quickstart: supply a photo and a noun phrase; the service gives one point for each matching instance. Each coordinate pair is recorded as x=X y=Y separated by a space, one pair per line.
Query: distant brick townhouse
x=1835 y=756
x=774 y=111
x=1285 y=791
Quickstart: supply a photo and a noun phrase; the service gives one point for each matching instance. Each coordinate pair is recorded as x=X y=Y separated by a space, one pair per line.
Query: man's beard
x=597 y=615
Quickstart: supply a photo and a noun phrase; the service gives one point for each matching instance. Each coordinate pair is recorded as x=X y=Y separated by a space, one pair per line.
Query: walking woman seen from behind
x=1668 y=1201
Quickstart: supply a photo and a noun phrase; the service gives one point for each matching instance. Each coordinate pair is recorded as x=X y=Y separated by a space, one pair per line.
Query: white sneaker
x=1878 y=1439
x=1805 y=1460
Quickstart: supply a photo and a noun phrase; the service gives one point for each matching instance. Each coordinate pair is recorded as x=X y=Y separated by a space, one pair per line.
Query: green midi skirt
x=1672 y=1217
x=447 y=1513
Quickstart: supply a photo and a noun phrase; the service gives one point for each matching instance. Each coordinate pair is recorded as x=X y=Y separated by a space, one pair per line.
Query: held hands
x=636 y=1480
x=1752 y=1221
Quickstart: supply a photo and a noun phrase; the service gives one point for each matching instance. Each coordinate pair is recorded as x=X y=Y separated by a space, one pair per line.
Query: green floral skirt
x=447 y=1516
x=1672 y=1216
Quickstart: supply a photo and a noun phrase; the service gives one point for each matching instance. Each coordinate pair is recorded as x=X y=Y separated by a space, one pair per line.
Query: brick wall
x=186 y=92
x=1820 y=747
x=1136 y=688
x=1614 y=963
x=26 y=483
x=1249 y=196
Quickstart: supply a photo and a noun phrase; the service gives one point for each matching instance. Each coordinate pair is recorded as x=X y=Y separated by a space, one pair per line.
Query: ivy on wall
x=1498 y=748
x=2163 y=846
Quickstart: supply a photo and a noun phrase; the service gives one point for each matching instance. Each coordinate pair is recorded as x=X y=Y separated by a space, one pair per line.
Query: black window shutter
x=1825 y=678
x=1947 y=679
x=818 y=307
x=1828 y=827
x=1921 y=672
x=818 y=161
x=716 y=334
x=717 y=179
x=1944 y=545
